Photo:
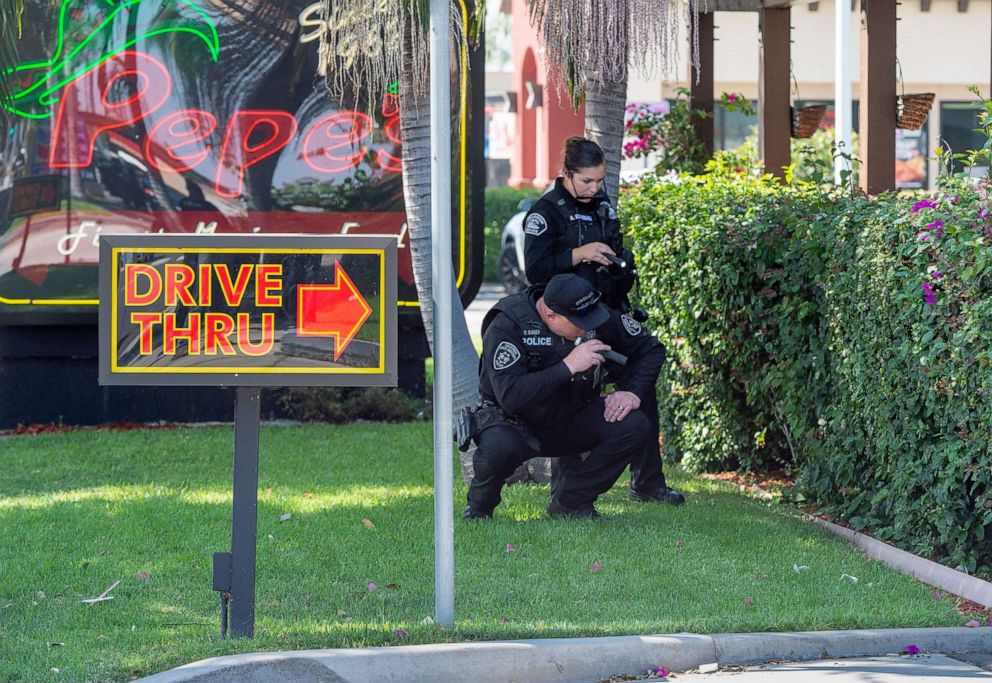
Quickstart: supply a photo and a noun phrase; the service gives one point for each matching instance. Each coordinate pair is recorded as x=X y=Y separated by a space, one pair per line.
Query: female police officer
x=574 y=229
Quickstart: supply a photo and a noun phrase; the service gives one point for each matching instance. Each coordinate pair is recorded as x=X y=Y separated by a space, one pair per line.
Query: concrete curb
x=932 y=573
x=565 y=660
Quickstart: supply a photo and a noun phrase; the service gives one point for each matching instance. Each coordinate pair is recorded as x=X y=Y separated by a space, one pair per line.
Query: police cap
x=573 y=297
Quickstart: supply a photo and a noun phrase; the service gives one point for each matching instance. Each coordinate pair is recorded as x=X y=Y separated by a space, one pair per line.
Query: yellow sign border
x=115 y=368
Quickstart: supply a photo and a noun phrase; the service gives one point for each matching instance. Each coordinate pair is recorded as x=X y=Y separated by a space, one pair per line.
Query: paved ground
x=487 y=296
x=893 y=669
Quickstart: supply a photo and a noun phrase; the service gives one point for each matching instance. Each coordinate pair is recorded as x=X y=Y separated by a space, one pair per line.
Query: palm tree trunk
x=605 y=103
x=415 y=129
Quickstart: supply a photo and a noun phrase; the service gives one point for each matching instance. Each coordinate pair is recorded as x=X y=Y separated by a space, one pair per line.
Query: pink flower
x=660 y=671
x=973 y=624
x=595 y=566
x=402 y=633
x=510 y=548
x=731 y=97
x=912 y=650
x=372 y=587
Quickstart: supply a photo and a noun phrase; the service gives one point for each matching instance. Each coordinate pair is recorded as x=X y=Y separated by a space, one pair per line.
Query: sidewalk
x=892 y=669
x=488 y=295
x=587 y=660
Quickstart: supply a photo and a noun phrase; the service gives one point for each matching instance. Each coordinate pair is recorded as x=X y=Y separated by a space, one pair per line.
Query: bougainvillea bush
x=847 y=337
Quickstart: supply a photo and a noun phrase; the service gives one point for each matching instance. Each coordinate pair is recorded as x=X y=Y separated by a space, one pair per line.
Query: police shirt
x=558 y=223
x=522 y=368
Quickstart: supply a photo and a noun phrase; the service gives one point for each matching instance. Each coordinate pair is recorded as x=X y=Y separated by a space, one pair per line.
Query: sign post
x=249 y=312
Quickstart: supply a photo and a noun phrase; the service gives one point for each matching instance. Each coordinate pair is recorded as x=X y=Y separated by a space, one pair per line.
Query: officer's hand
x=585 y=355
x=620 y=404
x=594 y=252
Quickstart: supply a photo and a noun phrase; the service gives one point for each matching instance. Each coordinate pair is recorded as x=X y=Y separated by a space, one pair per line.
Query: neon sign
x=152 y=137
x=38 y=83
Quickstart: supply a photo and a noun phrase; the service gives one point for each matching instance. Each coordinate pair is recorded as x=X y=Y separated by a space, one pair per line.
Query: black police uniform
x=533 y=406
x=558 y=223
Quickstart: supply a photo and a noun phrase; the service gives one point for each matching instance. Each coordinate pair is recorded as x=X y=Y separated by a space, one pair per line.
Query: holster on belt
x=488 y=414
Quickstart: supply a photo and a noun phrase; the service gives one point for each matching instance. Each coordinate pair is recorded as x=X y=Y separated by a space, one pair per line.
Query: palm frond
x=596 y=40
x=361 y=52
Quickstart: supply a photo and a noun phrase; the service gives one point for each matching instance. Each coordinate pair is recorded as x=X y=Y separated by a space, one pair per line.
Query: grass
x=82 y=509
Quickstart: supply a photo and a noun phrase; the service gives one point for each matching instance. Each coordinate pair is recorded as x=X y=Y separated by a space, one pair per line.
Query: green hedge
x=836 y=334
x=501 y=204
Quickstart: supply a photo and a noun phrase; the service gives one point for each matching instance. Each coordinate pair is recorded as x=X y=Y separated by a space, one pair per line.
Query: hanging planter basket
x=806 y=120
x=912 y=110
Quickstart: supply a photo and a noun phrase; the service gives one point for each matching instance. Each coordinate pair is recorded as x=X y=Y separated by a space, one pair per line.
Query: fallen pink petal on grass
x=660 y=671
x=402 y=633
x=595 y=566
x=973 y=624
x=510 y=548
x=142 y=576
x=912 y=650
x=748 y=601
x=372 y=587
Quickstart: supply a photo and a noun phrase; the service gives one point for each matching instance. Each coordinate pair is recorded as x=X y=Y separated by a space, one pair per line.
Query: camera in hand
x=614 y=357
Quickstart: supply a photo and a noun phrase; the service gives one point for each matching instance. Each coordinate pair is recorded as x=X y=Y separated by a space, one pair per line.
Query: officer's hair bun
x=582 y=153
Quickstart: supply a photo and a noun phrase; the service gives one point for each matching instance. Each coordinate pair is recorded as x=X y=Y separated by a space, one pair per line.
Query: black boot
x=662 y=494
x=556 y=509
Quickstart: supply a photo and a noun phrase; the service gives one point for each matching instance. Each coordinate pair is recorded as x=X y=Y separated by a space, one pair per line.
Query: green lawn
x=83 y=509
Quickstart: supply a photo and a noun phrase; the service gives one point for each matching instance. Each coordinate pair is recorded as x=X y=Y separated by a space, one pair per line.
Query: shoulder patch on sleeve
x=632 y=326
x=506 y=355
x=535 y=225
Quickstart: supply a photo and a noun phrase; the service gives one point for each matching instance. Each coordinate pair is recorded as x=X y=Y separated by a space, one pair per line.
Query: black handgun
x=615 y=260
x=614 y=357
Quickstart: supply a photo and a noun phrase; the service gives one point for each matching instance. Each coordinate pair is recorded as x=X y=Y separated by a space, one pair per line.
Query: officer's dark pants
x=645 y=470
x=579 y=481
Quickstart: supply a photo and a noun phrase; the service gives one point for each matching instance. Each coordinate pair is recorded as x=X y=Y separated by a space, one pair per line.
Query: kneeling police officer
x=547 y=353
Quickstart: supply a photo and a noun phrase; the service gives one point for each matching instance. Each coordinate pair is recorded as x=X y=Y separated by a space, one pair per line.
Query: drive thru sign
x=247 y=311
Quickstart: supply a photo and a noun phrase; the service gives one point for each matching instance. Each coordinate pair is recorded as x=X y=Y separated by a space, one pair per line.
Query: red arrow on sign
x=336 y=310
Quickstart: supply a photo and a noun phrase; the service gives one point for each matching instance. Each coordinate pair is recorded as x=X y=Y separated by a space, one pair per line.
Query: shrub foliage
x=845 y=336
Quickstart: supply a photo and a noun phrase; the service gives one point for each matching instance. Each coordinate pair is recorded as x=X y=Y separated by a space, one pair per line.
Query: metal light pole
x=442 y=285
x=842 y=86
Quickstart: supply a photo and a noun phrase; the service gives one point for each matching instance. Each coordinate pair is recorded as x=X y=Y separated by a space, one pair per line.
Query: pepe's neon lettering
x=132 y=86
